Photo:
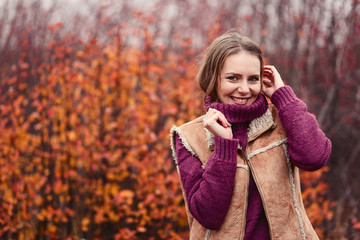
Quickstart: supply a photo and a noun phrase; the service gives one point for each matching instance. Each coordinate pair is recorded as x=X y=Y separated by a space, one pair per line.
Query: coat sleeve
x=208 y=192
x=308 y=146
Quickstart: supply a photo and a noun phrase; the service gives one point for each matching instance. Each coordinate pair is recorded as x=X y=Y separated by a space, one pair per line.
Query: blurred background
x=90 y=89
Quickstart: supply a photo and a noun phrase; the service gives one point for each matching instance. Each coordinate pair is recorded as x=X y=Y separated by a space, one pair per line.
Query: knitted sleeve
x=208 y=192
x=308 y=146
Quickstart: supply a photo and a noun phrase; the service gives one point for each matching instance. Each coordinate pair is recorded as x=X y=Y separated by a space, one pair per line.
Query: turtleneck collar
x=239 y=114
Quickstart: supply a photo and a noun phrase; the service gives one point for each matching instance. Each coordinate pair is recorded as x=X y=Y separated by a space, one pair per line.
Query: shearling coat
x=277 y=180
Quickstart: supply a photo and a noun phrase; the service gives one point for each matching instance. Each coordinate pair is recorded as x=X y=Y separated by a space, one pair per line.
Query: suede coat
x=277 y=180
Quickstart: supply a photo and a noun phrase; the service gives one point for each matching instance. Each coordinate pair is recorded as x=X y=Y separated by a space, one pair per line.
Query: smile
x=240 y=100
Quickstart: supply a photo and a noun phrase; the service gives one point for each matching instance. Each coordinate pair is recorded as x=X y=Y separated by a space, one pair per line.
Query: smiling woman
x=239 y=164
x=240 y=79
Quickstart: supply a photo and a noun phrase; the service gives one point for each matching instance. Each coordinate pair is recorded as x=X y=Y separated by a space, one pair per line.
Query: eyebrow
x=233 y=73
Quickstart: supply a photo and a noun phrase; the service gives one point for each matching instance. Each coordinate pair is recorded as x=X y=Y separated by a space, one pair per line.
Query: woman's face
x=239 y=81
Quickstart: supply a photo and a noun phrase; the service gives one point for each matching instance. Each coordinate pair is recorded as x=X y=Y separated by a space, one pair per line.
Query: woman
x=239 y=164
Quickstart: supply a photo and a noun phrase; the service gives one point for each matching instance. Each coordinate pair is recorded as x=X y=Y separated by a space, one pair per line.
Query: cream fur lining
x=177 y=130
x=264 y=149
x=295 y=202
x=256 y=125
x=207 y=235
x=265 y=120
x=239 y=165
x=259 y=123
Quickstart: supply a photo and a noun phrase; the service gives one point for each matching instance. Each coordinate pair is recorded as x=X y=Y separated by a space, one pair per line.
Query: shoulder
x=194 y=137
x=196 y=123
x=277 y=121
x=192 y=131
x=189 y=129
x=274 y=113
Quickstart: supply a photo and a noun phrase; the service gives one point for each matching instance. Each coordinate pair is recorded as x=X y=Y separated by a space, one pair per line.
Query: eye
x=253 y=79
x=232 y=78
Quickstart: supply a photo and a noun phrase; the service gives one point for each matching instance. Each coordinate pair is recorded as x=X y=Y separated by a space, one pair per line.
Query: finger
x=267 y=82
x=268 y=75
x=268 y=67
x=218 y=116
x=210 y=112
x=267 y=71
x=271 y=67
x=224 y=122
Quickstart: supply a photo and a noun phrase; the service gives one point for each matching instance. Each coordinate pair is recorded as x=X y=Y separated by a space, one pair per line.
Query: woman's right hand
x=217 y=124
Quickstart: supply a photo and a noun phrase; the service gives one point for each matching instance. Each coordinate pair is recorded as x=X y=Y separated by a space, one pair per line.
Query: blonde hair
x=231 y=42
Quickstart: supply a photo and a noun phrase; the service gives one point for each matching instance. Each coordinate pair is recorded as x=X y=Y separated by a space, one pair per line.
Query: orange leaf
x=357 y=225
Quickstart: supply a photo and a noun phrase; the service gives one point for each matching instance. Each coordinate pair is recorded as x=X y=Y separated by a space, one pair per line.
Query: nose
x=243 y=87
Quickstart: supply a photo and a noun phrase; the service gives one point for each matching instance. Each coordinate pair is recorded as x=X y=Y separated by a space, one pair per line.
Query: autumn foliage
x=85 y=119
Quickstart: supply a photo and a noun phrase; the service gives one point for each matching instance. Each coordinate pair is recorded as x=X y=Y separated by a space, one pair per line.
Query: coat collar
x=256 y=127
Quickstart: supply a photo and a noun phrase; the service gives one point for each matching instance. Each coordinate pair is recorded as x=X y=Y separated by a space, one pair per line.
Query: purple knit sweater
x=209 y=192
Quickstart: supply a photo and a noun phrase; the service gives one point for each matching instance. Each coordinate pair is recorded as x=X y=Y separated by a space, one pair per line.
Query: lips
x=241 y=101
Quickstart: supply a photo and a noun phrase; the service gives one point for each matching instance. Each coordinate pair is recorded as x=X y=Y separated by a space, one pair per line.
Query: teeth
x=240 y=100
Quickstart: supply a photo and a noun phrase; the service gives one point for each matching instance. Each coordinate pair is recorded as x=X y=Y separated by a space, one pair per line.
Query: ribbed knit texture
x=237 y=113
x=209 y=192
x=308 y=146
x=225 y=149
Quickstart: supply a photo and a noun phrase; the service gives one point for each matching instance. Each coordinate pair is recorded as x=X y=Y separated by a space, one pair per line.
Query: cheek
x=222 y=88
x=256 y=89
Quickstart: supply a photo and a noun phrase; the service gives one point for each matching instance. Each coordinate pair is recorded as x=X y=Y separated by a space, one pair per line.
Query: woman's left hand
x=271 y=80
